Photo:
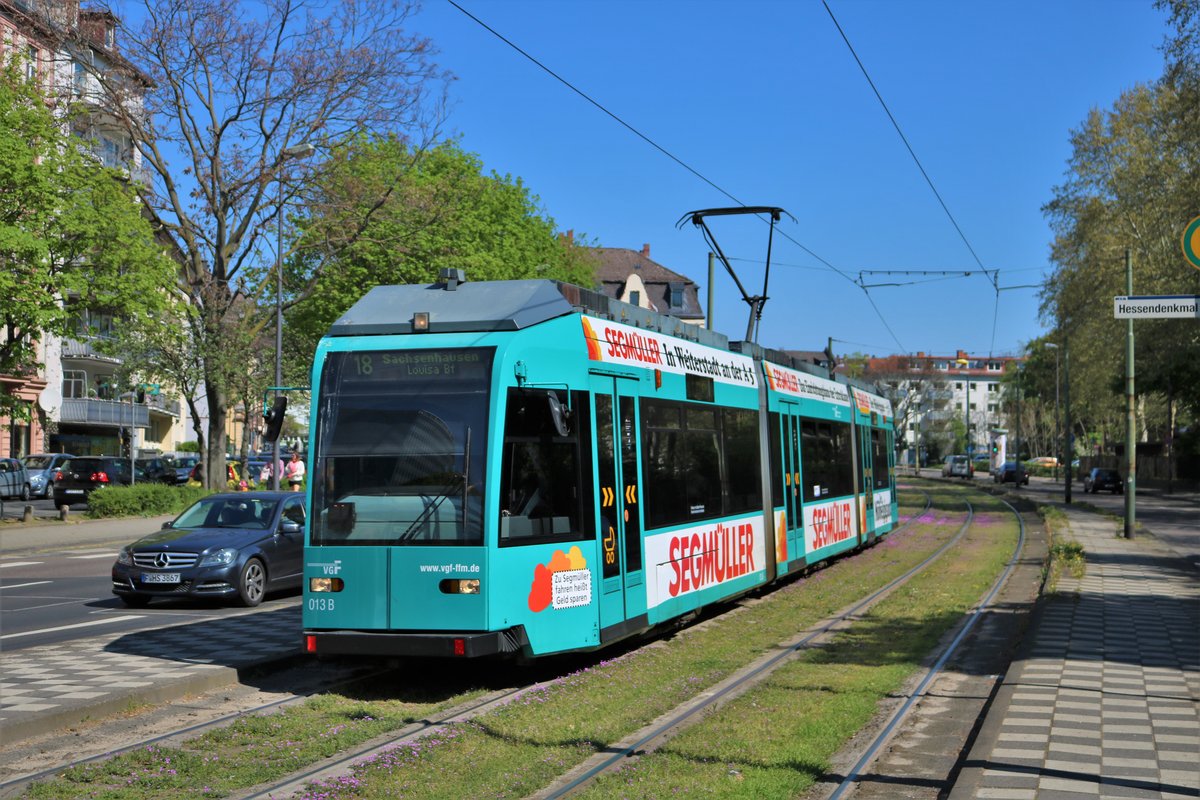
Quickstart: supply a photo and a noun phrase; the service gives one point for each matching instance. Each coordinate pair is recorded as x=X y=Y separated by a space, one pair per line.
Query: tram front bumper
x=431 y=644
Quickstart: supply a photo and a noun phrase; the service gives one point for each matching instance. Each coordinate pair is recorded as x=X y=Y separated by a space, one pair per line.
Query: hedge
x=142 y=500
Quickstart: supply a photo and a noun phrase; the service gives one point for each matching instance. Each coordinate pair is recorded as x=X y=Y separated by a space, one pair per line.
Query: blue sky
x=765 y=100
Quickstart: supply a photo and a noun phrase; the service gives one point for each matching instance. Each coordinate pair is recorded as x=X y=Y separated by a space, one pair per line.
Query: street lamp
x=1057 y=430
x=295 y=151
x=965 y=364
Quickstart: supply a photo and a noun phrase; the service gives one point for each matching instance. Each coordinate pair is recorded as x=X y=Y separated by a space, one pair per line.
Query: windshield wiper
x=455 y=481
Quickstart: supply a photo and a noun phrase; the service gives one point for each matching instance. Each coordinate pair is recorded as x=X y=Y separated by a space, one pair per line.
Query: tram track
x=670 y=724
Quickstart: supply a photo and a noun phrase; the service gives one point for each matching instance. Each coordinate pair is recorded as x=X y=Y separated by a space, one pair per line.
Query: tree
x=71 y=232
x=1132 y=182
x=234 y=88
x=443 y=211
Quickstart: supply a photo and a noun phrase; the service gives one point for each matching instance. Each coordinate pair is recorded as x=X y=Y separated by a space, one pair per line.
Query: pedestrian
x=295 y=472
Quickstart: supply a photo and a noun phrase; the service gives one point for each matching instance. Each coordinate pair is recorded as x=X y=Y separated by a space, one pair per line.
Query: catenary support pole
x=1130 y=412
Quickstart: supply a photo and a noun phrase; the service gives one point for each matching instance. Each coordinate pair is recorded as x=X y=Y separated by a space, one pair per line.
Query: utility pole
x=711 y=277
x=1068 y=434
x=1130 y=412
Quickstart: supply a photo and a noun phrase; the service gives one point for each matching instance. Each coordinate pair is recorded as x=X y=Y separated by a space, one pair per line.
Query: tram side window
x=826 y=459
x=542 y=491
x=880 y=465
x=699 y=462
x=742 y=456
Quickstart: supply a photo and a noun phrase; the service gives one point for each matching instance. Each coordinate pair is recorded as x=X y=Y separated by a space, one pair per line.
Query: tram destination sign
x=1166 y=306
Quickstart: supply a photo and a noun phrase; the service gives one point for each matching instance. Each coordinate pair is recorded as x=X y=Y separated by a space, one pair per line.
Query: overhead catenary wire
x=994 y=278
x=665 y=152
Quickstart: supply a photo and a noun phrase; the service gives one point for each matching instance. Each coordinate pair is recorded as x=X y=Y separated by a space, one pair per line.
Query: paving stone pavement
x=1103 y=702
x=43 y=688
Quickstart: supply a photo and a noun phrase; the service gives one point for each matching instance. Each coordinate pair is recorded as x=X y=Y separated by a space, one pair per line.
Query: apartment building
x=75 y=402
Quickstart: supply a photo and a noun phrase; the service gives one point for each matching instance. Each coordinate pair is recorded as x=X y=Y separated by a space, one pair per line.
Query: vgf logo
x=330 y=569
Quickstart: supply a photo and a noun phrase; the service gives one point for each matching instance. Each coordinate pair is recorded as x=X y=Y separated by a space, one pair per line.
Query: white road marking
x=97 y=555
x=21 y=564
x=19 y=585
x=104 y=621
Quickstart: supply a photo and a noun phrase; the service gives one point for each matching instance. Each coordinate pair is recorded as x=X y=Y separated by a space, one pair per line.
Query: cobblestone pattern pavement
x=41 y=687
x=1104 y=701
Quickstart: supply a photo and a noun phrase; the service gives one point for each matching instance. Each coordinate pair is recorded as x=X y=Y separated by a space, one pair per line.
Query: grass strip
x=523 y=746
x=778 y=739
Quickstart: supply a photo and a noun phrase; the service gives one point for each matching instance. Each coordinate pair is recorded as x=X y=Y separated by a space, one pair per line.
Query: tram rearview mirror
x=559 y=416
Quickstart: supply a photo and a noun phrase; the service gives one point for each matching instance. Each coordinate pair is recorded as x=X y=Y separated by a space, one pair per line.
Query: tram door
x=866 y=459
x=792 y=488
x=622 y=585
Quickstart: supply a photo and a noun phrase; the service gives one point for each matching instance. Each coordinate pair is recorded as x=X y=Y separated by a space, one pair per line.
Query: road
x=55 y=585
x=1174 y=519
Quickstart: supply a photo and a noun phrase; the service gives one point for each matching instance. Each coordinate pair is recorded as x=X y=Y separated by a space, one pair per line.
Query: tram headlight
x=325 y=584
x=460 y=586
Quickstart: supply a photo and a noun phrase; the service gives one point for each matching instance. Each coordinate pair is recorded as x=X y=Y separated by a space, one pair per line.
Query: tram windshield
x=401 y=446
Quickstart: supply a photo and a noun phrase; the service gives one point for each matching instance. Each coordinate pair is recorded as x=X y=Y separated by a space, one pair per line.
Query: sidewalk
x=56 y=686
x=1102 y=699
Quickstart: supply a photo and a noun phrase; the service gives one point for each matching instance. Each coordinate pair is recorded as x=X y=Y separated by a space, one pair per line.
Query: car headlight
x=219 y=558
x=125 y=557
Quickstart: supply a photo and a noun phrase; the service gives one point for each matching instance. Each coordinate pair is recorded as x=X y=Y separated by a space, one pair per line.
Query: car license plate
x=73 y=491
x=160 y=577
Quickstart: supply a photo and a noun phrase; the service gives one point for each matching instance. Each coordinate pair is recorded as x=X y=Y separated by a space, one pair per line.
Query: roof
x=616 y=264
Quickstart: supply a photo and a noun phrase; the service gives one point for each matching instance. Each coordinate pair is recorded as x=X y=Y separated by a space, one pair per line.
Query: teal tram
x=527 y=467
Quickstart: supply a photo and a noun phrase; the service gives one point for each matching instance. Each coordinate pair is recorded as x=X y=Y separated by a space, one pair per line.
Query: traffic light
x=995 y=448
x=273 y=419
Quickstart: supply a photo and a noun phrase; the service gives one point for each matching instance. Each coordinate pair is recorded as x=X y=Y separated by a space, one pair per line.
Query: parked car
x=233 y=544
x=182 y=465
x=14 y=480
x=1102 y=478
x=82 y=475
x=958 y=467
x=157 y=469
x=1010 y=472
x=43 y=469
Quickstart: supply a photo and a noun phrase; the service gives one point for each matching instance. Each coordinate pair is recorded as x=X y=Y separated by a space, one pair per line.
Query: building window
x=675 y=294
x=992 y=407
x=635 y=298
x=74 y=383
x=994 y=366
x=958 y=386
x=32 y=64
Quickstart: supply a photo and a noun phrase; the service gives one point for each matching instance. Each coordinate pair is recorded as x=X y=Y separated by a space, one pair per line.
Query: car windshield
x=180 y=463
x=37 y=462
x=252 y=513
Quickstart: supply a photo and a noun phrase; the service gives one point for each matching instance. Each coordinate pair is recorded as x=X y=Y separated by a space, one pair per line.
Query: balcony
x=105 y=412
x=159 y=404
x=73 y=348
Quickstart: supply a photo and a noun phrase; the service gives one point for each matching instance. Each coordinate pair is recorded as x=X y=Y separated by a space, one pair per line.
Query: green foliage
x=441 y=211
x=142 y=500
x=70 y=229
x=188 y=447
x=1133 y=180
